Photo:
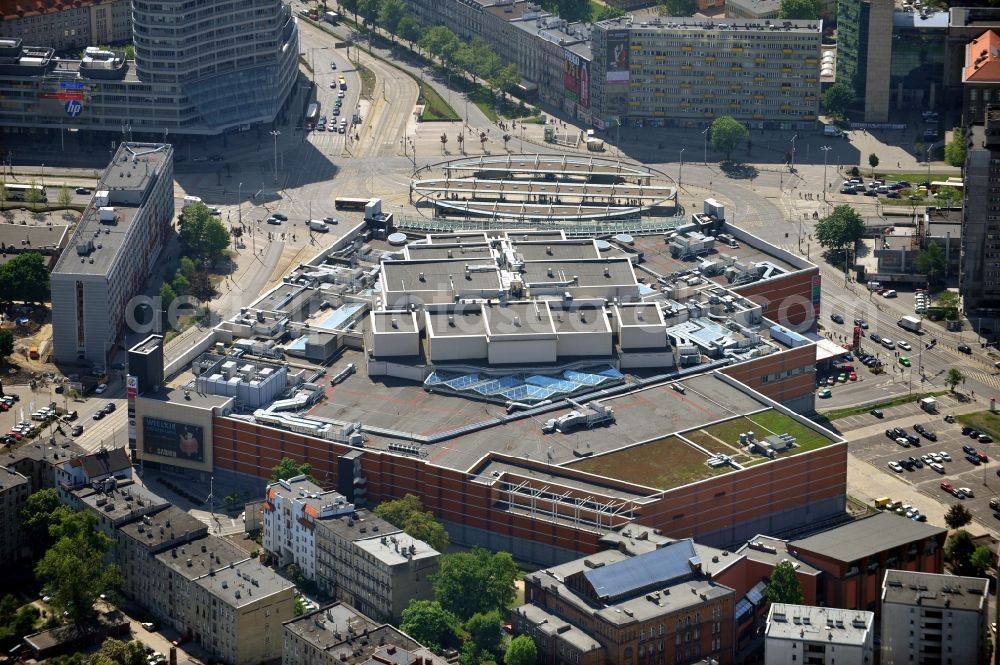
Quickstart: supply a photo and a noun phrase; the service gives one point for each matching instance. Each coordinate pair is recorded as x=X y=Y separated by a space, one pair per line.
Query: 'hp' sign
x=73 y=108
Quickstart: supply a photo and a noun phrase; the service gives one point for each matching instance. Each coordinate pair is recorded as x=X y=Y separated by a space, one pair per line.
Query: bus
x=347 y=203
x=343 y=83
x=312 y=115
x=16 y=192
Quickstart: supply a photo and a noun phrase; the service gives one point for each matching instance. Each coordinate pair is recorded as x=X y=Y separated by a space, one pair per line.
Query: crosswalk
x=992 y=380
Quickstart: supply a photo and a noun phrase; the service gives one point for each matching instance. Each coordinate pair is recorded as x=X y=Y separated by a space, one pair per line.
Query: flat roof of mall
x=643 y=415
x=656 y=256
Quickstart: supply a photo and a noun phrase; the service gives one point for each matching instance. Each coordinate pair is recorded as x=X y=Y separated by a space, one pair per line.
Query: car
x=98 y=415
x=848 y=190
x=921 y=517
x=926 y=458
x=322 y=120
x=890 y=434
x=333 y=65
x=982 y=456
x=888 y=343
x=842 y=377
x=899 y=431
x=972 y=459
x=870 y=192
x=824 y=393
x=965 y=348
x=968 y=450
x=216 y=158
x=889 y=293
x=959 y=494
x=330 y=220
x=343 y=129
x=853 y=376
x=16 y=435
x=947 y=487
x=830 y=380
x=918 y=428
x=917 y=462
x=877 y=413
x=929 y=435
x=109 y=408
x=875 y=337
x=967 y=491
x=274 y=220
x=995 y=503
x=974 y=434
x=965 y=430
x=76 y=431
x=904 y=345
x=340 y=94
x=944 y=456
x=936 y=466
x=906 y=464
x=277 y=215
x=215 y=211
x=338 y=102
x=101 y=387
x=82 y=190
x=985 y=438
x=903 y=441
x=904 y=361
x=862 y=323
x=914 y=440
x=336 y=111
x=895 y=466
x=320 y=128
x=894 y=194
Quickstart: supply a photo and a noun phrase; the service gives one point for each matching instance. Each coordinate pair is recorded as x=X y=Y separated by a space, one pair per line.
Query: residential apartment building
x=931 y=618
x=753 y=9
x=980 y=76
x=291 y=510
x=616 y=608
x=564 y=68
x=239 y=611
x=350 y=553
x=67 y=25
x=79 y=471
x=15 y=488
x=201 y=68
x=114 y=504
x=338 y=634
x=965 y=25
x=116 y=244
x=818 y=636
x=139 y=542
x=979 y=278
x=686 y=72
x=864 y=53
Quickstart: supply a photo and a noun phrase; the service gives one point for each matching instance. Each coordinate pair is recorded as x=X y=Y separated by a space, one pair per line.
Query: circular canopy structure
x=545 y=187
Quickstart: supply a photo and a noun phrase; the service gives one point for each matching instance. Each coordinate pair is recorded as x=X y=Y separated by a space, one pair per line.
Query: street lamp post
x=826 y=149
x=791 y=162
x=705 y=145
x=680 y=171
x=275 y=133
x=239 y=204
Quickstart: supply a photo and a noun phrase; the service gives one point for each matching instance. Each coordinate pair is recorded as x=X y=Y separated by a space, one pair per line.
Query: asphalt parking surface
x=983 y=480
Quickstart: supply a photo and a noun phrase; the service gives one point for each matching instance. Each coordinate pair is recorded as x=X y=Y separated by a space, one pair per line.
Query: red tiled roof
x=311 y=511
x=982 y=59
x=14 y=9
x=267 y=505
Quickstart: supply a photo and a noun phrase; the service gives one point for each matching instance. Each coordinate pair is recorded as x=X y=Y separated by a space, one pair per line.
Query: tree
x=727 y=133
x=476 y=581
x=201 y=287
x=300 y=606
x=873 y=162
x=167 y=295
x=423 y=526
x=521 y=651
x=573 y=10
x=678 y=8
x=25 y=278
x=958 y=552
x=350 y=6
x=931 y=262
x=74 y=569
x=390 y=13
x=608 y=12
x=41 y=511
x=289 y=468
x=981 y=561
x=117 y=652
x=486 y=632
x=430 y=624
x=179 y=283
x=953 y=378
x=186 y=267
x=202 y=235
x=841 y=228
x=955 y=149
x=409 y=28
x=6 y=344
x=16 y=622
x=948 y=197
x=784 y=586
x=505 y=78
x=65 y=197
x=838 y=99
x=804 y=10
x=369 y=11
x=957 y=516
x=397 y=511
x=33 y=195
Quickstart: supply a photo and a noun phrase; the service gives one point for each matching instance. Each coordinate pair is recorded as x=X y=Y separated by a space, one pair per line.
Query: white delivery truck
x=929 y=404
x=318 y=225
x=910 y=323
x=191 y=200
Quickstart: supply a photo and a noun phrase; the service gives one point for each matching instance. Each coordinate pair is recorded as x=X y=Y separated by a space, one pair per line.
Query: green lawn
x=663 y=464
x=913 y=178
x=984 y=421
x=436 y=109
x=836 y=414
x=765 y=424
x=367 y=81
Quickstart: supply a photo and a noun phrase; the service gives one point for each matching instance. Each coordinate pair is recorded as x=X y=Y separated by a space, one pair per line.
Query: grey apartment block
x=979 y=277
x=201 y=68
x=112 y=253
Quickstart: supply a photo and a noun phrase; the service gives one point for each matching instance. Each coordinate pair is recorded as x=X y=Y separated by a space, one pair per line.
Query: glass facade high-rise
x=852 y=44
x=204 y=67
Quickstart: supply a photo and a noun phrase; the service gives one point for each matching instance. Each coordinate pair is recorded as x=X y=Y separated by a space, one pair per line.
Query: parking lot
x=879 y=450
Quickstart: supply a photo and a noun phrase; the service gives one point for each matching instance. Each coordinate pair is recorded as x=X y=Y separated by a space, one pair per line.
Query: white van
x=830 y=130
x=318 y=225
x=191 y=200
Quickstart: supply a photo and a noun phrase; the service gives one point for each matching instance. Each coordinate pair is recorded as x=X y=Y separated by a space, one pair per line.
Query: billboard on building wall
x=166 y=438
x=576 y=79
x=616 y=66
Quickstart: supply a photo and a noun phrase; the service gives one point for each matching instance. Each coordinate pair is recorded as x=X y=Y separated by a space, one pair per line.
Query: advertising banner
x=571 y=76
x=166 y=438
x=617 y=59
x=131 y=390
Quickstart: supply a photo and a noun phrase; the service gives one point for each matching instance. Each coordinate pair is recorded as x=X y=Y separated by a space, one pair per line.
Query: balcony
x=736 y=69
x=812 y=61
x=758 y=116
x=808 y=116
x=786 y=70
x=787 y=51
x=686 y=68
x=709 y=77
x=759 y=79
x=708 y=114
x=685 y=49
x=710 y=58
x=759 y=60
x=736 y=50
x=811 y=79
